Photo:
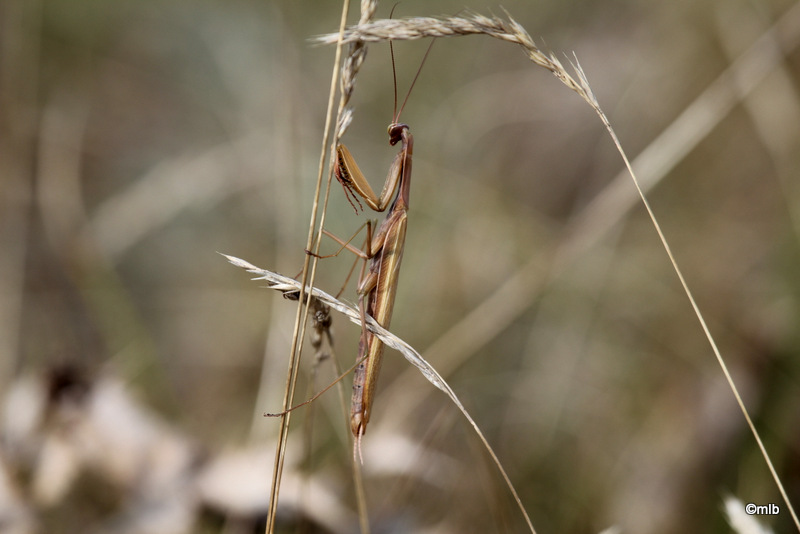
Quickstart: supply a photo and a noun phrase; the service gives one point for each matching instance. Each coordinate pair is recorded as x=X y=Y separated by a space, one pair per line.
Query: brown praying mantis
x=382 y=253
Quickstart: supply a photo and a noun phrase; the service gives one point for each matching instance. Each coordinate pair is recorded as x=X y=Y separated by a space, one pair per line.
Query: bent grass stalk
x=511 y=31
x=286 y=285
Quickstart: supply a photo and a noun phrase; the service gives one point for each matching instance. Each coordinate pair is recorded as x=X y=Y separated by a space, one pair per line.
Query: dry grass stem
x=511 y=31
x=291 y=289
x=701 y=319
x=471 y=24
x=609 y=207
x=352 y=64
x=307 y=276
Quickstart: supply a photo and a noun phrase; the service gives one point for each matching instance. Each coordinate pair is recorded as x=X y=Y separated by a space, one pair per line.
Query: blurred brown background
x=138 y=139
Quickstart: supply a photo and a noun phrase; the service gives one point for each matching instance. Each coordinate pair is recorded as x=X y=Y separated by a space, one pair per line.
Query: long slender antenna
x=395 y=113
x=397 y=117
x=394 y=71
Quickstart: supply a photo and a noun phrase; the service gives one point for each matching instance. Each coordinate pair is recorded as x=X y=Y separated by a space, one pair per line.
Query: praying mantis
x=383 y=252
x=377 y=286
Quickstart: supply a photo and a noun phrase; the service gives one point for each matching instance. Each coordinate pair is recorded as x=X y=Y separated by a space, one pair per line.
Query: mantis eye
x=395 y=131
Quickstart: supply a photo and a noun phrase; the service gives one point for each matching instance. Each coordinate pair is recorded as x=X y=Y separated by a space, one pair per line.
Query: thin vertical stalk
x=303 y=300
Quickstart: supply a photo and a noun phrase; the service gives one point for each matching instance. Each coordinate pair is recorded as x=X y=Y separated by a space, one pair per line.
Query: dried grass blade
x=290 y=286
x=512 y=31
x=308 y=274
